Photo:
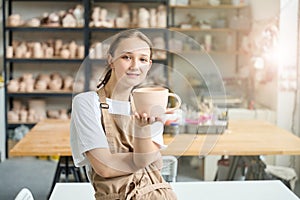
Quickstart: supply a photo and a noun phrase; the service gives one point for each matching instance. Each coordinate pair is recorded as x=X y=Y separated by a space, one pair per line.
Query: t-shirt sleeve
x=86 y=131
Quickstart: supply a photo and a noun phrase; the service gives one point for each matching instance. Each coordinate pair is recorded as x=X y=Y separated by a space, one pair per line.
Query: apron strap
x=106 y=123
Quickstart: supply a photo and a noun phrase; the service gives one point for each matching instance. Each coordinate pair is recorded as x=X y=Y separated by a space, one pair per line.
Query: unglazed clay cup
x=153 y=101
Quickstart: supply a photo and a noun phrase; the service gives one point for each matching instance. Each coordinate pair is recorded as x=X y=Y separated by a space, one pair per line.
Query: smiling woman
x=121 y=149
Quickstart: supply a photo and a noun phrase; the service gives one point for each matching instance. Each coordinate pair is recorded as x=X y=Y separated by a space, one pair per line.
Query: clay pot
x=54 y=114
x=72 y=49
x=68 y=83
x=23 y=115
x=12 y=116
x=55 y=84
x=9 y=52
x=34 y=22
x=31 y=116
x=13 y=86
x=37 y=50
x=14 y=20
x=143 y=18
x=65 y=53
x=49 y=52
x=39 y=106
x=80 y=51
x=63 y=114
x=41 y=85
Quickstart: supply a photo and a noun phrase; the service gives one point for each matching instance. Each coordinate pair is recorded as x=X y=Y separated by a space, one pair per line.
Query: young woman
x=121 y=149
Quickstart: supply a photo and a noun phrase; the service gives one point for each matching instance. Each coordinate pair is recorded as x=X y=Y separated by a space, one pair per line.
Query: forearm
x=145 y=152
x=111 y=165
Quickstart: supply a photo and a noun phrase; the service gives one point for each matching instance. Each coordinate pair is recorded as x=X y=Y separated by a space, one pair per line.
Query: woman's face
x=131 y=61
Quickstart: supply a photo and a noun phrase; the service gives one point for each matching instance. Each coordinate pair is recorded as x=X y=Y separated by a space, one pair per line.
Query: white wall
x=288 y=41
x=264 y=13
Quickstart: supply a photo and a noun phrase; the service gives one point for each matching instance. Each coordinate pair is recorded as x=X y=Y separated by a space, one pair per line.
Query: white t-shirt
x=86 y=131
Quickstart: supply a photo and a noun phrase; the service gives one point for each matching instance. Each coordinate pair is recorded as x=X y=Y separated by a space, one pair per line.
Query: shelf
x=12 y=125
x=101 y=29
x=47 y=93
x=131 y=1
x=214 y=52
x=46 y=1
x=224 y=6
x=38 y=60
x=43 y=28
x=197 y=29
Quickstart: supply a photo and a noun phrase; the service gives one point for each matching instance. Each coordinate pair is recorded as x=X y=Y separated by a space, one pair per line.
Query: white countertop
x=222 y=190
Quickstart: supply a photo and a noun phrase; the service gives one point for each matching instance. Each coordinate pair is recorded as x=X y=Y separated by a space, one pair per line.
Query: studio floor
x=36 y=175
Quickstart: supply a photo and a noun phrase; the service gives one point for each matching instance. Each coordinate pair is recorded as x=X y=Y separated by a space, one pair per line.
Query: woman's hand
x=144 y=120
x=142 y=125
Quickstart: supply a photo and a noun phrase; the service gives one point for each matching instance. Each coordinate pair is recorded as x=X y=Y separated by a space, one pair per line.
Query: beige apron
x=146 y=183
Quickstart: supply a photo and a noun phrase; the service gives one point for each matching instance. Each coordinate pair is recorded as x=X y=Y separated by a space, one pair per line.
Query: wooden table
x=243 y=137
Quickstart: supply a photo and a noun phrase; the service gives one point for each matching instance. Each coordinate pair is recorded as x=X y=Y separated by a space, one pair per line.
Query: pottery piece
x=14 y=20
x=68 y=83
x=80 y=51
x=9 y=52
x=161 y=16
x=63 y=114
x=39 y=106
x=143 y=18
x=65 y=53
x=12 y=116
x=153 y=101
x=69 y=21
x=72 y=49
x=13 y=86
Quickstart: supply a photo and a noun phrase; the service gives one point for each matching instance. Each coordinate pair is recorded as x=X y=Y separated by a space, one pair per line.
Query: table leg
x=233 y=166
x=56 y=175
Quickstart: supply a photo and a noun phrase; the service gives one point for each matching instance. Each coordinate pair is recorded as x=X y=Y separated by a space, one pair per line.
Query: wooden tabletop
x=243 y=137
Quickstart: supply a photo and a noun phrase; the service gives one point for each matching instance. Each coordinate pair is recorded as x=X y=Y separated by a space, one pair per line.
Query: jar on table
x=174 y=128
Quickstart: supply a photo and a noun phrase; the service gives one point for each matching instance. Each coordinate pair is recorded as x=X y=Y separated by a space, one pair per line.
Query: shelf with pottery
x=38 y=60
x=44 y=28
x=224 y=6
x=48 y=93
x=198 y=29
x=213 y=52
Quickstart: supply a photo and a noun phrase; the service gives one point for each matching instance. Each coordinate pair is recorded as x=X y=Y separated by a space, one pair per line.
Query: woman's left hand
x=143 y=124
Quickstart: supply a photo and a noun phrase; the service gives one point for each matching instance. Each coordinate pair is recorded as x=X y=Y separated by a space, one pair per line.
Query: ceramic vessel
x=153 y=101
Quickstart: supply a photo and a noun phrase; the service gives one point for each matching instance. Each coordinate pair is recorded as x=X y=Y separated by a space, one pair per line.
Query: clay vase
x=80 y=51
x=31 y=116
x=161 y=16
x=23 y=115
x=41 y=85
x=153 y=18
x=68 y=82
x=65 y=53
x=13 y=86
x=12 y=116
x=63 y=114
x=72 y=49
x=55 y=84
x=9 y=52
x=14 y=20
x=143 y=18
